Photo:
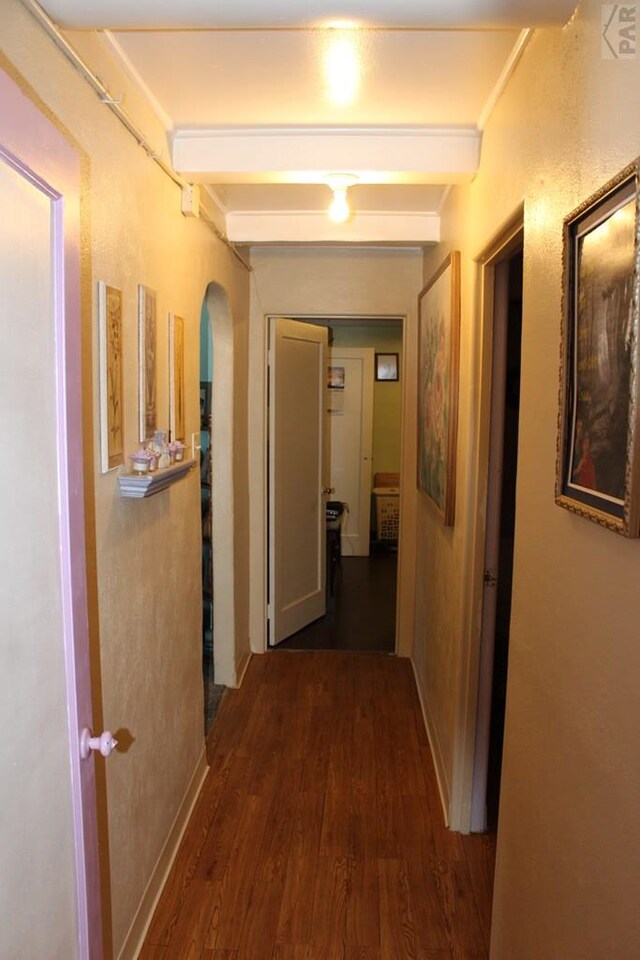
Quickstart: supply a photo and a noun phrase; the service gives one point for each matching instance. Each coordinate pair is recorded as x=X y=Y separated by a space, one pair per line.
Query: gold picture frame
x=176 y=377
x=147 y=373
x=597 y=458
x=111 y=377
x=438 y=375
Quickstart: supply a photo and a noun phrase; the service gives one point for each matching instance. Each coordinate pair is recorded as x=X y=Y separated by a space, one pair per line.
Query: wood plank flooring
x=361 y=612
x=319 y=833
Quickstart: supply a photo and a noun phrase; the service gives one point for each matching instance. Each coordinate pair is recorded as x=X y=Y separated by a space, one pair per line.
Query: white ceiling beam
x=167 y=14
x=315 y=227
x=306 y=155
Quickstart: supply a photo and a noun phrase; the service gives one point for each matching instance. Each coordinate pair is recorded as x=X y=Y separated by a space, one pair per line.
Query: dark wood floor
x=361 y=611
x=319 y=834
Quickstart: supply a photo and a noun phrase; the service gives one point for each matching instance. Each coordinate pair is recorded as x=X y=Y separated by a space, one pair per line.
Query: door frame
x=476 y=678
x=40 y=153
x=258 y=374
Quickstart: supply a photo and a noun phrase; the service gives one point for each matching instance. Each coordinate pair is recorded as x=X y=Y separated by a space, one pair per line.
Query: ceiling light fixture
x=339 y=210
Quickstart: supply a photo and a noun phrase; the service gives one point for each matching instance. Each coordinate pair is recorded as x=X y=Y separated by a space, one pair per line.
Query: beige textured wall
x=568 y=841
x=334 y=282
x=387 y=394
x=146 y=615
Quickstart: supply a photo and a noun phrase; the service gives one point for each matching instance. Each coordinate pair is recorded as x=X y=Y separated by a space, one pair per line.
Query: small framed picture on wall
x=387 y=366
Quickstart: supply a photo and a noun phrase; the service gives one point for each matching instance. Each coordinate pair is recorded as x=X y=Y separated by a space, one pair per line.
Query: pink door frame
x=32 y=145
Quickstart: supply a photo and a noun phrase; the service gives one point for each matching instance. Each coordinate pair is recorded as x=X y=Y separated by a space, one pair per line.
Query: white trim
x=144 y=914
x=505 y=75
x=273 y=226
x=242 y=668
x=300 y=154
x=436 y=752
x=474 y=532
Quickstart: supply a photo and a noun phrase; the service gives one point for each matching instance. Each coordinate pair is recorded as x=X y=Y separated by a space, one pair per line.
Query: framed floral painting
x=147 y=377
x=111 y=377
x=176 y=377
x=438 y=365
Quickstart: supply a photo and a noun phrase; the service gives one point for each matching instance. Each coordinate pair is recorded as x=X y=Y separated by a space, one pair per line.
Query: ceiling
x=261 y=101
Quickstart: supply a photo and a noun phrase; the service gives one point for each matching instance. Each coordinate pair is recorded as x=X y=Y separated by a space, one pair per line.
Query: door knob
x=327 y=491
x=104 y=744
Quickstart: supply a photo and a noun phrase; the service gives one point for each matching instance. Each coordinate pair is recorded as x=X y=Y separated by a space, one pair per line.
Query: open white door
x=351 y=431
x=49 y=875
x=297 y=484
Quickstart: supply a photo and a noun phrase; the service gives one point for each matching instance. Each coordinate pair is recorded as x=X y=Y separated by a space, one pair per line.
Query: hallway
x=318 y=834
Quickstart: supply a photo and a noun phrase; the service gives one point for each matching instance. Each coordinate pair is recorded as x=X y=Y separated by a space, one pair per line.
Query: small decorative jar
x=141 y=461
x=177 y=449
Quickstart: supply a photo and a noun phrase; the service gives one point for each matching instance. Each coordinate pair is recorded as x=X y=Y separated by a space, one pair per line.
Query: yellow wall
x=568 y=838
x=145 y=556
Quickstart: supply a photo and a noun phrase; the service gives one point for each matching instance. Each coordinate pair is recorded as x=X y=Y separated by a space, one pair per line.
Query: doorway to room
x=216 y=497
x=363 y=407
x=503 y=282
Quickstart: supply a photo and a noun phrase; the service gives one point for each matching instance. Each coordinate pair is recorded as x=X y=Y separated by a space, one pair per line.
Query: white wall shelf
x=137 y=486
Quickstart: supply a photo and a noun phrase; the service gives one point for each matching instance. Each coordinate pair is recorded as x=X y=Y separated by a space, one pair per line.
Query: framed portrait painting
x=597 y=466
x=147 y=377
x=111 y=377
x=438 y=365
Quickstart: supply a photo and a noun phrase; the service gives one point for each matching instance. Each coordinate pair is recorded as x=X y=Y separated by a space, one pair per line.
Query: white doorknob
x=104 y=744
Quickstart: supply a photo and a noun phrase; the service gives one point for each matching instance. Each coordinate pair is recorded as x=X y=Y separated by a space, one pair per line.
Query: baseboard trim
x=438 y=763
x=138 y=929
x=241 y=669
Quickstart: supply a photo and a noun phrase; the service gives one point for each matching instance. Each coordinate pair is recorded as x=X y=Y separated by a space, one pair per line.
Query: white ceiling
x=162 y=14
x=249 y=109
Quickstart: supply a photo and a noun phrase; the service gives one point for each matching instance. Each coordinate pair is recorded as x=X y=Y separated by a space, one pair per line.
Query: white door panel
x=351 y=433
x=297 y=525
x=49 y=876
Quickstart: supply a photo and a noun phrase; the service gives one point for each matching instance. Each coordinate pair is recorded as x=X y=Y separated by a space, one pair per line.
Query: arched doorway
x=216 y=405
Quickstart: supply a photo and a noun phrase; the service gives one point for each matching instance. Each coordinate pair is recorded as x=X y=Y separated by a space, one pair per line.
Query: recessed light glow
x=342 y=67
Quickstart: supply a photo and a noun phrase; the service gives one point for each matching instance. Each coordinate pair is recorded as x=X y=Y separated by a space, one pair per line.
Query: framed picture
x=438 y=364
x=111 y=377
x=387 y=366
x=147 y=376
x=335 y=378
x=176 y=377
x=597 y=464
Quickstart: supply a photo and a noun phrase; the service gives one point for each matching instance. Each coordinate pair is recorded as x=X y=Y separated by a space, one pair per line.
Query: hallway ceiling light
x=339 y=210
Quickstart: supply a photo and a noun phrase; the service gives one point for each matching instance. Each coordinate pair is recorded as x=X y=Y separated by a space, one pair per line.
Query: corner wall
x=144 y=555
x=568 y=838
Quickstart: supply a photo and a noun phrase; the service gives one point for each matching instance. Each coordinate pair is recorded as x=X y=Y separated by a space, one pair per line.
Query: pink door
x=49 y=876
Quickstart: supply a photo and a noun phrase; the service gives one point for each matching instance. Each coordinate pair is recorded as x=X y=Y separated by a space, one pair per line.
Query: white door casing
x=351 y=443
x=49 y=875
x=297 y=458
